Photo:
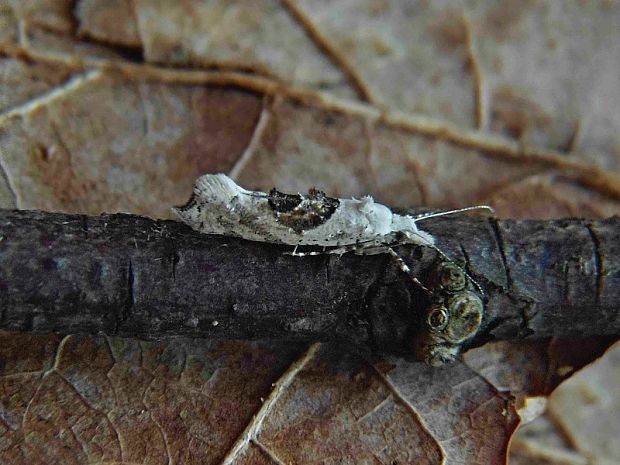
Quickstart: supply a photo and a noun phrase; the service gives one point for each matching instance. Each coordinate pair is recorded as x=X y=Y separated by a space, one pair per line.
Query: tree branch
x=137 y=277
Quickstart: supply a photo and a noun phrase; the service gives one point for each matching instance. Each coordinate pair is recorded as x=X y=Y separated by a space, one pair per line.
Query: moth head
x=448 y=324
x=405 y=227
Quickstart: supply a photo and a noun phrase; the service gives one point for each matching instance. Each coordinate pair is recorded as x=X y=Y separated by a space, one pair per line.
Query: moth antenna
x=425 y=216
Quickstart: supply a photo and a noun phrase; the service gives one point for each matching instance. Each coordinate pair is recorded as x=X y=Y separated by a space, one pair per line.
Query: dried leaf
x=119 y=106
x=542 y=443
x=592 y=428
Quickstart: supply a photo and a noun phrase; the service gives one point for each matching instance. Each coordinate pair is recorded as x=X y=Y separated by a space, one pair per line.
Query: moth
x=219 y=206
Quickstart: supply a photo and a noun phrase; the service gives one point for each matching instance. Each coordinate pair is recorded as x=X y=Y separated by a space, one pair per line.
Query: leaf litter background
x=119 y=105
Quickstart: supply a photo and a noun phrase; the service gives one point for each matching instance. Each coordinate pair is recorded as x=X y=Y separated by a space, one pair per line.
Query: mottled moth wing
x=219 y=206
x=302 y=213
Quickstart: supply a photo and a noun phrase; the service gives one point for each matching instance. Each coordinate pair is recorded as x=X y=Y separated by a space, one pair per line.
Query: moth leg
x=337 y=250
x=375 y=250
x=342 y=249
x=405 y=268
x=302 y=254
x=294 y=253
x=369 y=247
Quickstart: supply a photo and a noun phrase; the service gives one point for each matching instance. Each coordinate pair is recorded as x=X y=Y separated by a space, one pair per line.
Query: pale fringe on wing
x=217 y=188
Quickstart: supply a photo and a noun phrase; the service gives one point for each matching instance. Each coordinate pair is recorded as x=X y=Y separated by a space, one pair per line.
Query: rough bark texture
x=133 y=276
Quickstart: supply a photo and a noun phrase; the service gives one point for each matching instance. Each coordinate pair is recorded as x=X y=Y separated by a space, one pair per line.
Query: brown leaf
x=85 y=399
x=542 y=443
x=471 y=420
x=589 y=429
x=534 y=368
x=118 y=106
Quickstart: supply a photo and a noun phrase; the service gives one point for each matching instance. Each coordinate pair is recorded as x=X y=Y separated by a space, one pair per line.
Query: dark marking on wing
x=284 y=203
x=300 y=212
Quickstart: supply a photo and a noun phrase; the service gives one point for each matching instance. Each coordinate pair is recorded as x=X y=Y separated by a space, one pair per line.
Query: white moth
x=219 y=206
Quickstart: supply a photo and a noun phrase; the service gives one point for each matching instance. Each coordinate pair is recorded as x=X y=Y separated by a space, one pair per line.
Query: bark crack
x=466 y=259
x=130 y=299
x=497 y=236
x=598 y=263
x=84 y=225
x=174 y=261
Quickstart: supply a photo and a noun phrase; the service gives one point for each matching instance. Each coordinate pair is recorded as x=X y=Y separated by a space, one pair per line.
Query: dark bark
x=132 y=276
